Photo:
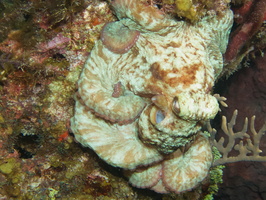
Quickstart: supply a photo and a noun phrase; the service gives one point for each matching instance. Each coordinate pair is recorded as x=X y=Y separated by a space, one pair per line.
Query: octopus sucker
x=118 y=90
x=145 y=93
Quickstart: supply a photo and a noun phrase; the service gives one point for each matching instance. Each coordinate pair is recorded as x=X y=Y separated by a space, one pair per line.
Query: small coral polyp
x=145 y=92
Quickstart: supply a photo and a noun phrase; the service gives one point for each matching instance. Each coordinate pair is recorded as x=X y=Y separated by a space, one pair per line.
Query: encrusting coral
x=144 y=101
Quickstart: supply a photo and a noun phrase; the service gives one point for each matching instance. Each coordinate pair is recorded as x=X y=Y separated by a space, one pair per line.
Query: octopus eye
x=159 y=116
x=156 y=115
x=176 y=107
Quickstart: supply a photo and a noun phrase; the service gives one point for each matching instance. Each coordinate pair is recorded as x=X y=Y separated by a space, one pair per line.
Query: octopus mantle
x=145 y=91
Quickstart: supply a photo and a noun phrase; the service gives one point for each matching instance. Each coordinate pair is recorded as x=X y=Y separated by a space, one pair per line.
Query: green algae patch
x=216 y=176
x=8 y=166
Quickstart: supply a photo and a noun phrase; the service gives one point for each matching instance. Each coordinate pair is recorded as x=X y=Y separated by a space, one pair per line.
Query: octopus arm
x=146 y=15
x=218 y=27
x=145 y=177
x=181 y=171
x=97 y=84
x=196 y=106
x=118 y=145
x=184 y=171
x=148 y=177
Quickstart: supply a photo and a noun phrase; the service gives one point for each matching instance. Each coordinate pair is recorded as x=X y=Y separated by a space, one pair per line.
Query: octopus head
x=171 y=124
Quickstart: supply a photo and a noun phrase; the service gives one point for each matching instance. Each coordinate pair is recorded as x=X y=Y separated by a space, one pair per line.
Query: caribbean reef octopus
x=145 y=93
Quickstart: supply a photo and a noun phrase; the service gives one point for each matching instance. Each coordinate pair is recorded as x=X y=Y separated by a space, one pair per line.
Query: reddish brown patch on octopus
x=174 y=44
x=157 y=73
x=188 y=75
x=118 y=90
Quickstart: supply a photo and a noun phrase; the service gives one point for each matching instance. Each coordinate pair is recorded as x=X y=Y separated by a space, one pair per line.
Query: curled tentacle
x=148 y=16
x=179 y=172
x=195 y=106
x=184 y=171
x=117 y=145
x=145 y=177
x=96 y=88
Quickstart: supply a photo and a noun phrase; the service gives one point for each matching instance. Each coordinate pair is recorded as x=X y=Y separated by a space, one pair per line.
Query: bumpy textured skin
x=134 y=107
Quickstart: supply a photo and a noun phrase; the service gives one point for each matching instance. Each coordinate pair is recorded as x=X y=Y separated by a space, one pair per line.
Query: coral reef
x=43 y=47
x=42 y=50
x=191 y=10
x=245 y=91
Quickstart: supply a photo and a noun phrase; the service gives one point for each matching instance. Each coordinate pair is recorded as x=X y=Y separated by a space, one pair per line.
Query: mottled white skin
x=167 y=65
x=184 y=171
x=118 y=145
x=145 y=177
x=173 y=62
